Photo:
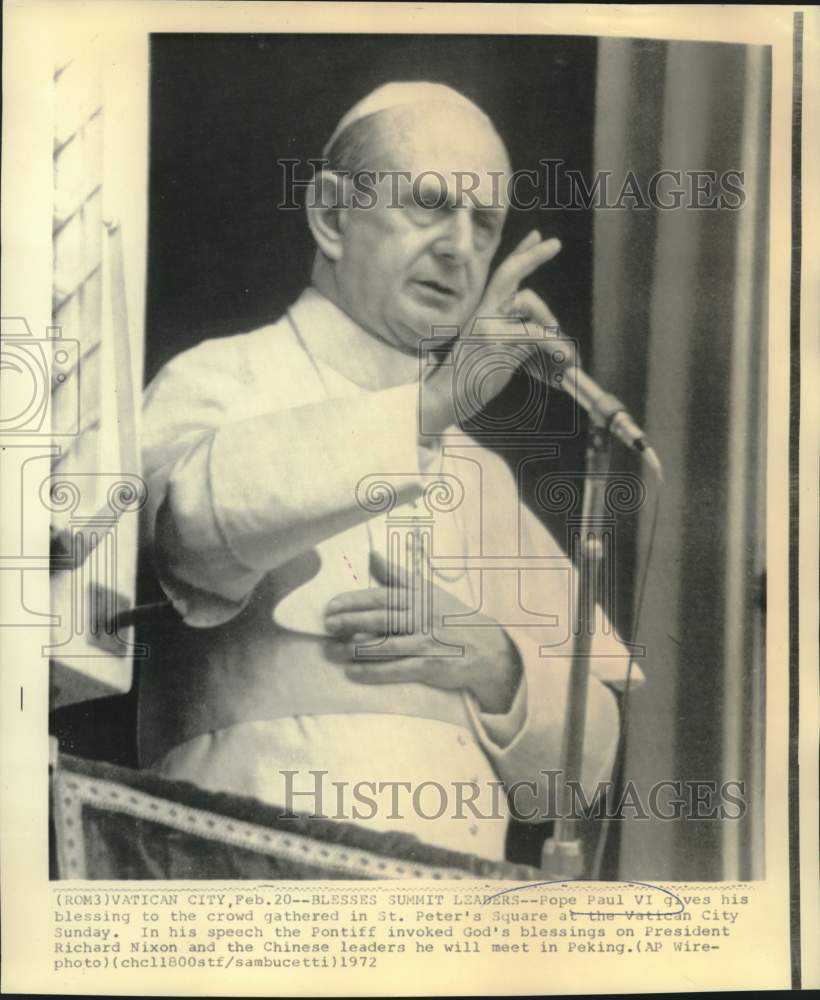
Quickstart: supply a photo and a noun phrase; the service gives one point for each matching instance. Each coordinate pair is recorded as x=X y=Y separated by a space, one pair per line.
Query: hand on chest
x=408 y=538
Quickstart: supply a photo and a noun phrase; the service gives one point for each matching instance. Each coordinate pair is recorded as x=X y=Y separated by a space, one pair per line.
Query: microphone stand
x=562 y=856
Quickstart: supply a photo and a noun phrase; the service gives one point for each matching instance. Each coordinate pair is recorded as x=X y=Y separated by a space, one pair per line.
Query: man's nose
x=455 y=242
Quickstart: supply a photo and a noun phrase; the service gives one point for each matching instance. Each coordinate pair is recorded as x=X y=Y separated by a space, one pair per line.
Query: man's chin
x=422 y=322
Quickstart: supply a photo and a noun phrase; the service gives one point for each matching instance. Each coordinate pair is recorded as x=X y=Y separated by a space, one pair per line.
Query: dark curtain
x=680 y=333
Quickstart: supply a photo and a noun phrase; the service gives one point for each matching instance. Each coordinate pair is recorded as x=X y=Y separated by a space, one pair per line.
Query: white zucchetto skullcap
x=396 y=95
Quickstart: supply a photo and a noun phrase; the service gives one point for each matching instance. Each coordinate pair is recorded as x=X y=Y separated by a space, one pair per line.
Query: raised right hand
x=502 y=297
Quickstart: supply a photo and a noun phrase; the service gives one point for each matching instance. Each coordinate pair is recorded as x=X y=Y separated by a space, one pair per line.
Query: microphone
x=565 y=373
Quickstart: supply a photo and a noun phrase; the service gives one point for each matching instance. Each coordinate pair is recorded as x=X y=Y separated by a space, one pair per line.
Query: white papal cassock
x=263 y=453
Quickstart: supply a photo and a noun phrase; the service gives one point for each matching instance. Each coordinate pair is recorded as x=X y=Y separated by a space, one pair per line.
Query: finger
x=377 y=622
x=532 y=239
x=377 y=647
x=529 y=240
x=519 y=266
x=344 y=650
x=532 y=307
x=388 y=573
x=358 y=600
x=392 y=672
x=409 y=646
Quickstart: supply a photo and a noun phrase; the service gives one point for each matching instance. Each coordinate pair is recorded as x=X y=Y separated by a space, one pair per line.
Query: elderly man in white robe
x=264 y=452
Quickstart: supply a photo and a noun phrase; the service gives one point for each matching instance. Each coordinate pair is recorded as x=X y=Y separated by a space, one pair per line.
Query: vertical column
x=409 y=538
x=87 y=620
x=591 y=523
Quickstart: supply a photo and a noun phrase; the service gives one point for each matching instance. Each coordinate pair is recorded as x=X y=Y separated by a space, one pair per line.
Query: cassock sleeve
x=234 y=497
x=527 y=740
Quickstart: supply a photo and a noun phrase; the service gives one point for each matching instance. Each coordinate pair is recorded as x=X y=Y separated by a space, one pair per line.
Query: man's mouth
x=437 y=288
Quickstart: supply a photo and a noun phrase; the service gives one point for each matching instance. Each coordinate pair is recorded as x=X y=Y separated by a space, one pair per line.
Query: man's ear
x=327 y=214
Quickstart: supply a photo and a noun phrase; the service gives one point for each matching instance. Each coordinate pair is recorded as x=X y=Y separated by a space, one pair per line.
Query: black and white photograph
x=402 y=427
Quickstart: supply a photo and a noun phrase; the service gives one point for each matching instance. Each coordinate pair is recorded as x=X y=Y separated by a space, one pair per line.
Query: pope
x=424 y=639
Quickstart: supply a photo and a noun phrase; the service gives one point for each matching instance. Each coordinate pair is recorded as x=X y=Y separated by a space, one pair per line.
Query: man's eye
x=485 y=222
x=420 y=216
x=426 y=212
x=433 y=202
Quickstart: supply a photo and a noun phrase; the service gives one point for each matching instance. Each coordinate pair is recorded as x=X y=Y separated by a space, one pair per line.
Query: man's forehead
x=444 y=137
x=437 y=140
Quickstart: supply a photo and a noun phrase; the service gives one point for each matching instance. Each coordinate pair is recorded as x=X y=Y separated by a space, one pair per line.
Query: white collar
x=336 y=340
